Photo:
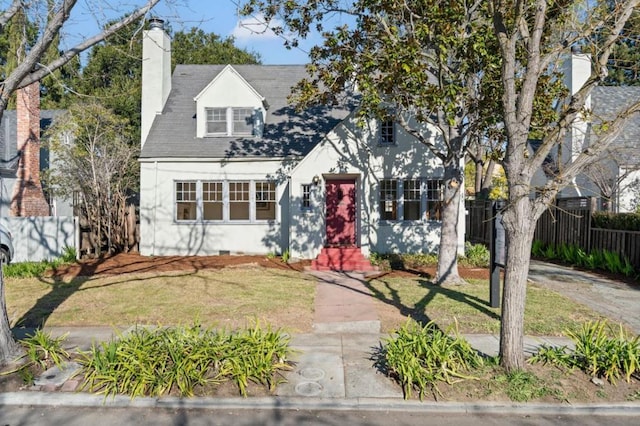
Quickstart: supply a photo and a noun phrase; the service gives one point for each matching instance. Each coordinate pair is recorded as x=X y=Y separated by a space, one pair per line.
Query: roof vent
x=156 y=24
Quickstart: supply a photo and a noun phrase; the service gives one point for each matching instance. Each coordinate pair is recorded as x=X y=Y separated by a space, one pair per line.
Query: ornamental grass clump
x=155 y=362
x=600 y=351
x=420 y=357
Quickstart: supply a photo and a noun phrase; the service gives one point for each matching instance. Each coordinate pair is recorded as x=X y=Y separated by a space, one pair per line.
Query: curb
x=293 y=403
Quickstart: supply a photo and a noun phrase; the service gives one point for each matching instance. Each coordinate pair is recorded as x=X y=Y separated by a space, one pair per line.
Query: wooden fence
x=566 y=222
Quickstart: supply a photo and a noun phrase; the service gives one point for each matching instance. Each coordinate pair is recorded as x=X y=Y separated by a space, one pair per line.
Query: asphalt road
x=74 y=416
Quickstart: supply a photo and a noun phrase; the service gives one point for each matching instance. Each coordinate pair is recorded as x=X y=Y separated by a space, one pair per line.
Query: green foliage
x=620 y=221
x=37 y=269
x=156 y=362
x=574 y=255
x=476 y=255
x=522 y=386
x=395 y=261
x=420 y=357
x=44 y=350
x=286 y=256
x=198 y=47
x=69 y=255
x=26 y=269
x=599 y=351
x=537 y=249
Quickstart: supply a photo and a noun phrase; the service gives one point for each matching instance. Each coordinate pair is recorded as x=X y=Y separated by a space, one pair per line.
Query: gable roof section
x=606 y=102
x=286 y=133
x=228 y=69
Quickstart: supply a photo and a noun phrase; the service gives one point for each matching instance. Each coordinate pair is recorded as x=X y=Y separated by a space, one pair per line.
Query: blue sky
x=218 y=16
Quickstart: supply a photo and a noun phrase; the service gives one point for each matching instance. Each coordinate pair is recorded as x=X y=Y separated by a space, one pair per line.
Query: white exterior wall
x=629 y=197
x=353 y=152
x=162 y=235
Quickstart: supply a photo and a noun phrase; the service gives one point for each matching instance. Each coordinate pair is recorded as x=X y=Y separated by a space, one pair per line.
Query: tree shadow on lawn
x=417 y=312
x=62 y=288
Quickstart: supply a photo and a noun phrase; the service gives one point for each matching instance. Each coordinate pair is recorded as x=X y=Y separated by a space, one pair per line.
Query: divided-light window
x=410 y=199
x=225 y=201
x=387 y=132
x=229 y=121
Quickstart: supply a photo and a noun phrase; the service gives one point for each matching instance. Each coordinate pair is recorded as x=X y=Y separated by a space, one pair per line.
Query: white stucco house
x=228 y=166
x=614 y=178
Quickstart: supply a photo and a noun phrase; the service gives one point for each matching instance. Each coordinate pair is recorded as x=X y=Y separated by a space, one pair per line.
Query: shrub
x=476 y=255
x=419 y=357
x=37 y=269
x=155 y=362
x=599 y=351
x=621 y=221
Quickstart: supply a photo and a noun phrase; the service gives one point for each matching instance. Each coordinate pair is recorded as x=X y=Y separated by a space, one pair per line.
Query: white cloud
x=255 y=27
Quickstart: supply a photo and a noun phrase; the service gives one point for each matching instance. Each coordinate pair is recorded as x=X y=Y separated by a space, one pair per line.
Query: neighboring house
x=228 y=166
x=614 y=178
x=22 y=159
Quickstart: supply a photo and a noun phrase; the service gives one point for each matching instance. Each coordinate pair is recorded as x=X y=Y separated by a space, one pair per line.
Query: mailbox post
x=497 y=249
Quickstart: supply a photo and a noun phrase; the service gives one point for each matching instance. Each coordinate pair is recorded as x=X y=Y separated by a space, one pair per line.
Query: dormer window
x=230 y=121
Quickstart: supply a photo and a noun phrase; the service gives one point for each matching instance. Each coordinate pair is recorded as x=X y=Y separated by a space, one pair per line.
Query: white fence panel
x=42 y=238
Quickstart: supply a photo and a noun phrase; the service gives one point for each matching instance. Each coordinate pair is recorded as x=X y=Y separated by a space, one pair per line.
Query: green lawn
x=228 y=297
x=546 y=312
x=233 y=297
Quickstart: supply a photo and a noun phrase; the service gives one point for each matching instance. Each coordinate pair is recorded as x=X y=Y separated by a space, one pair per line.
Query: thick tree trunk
x=447 y=272
x=9 y=349
x=519 y=223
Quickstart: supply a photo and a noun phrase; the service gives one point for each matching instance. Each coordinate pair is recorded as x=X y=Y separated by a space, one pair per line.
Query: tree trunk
x=519 y=224
x=9 y=349
x=447 y=272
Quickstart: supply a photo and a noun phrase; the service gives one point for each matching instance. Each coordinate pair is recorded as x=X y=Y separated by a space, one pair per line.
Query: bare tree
x=94 y=158
x=29 y=69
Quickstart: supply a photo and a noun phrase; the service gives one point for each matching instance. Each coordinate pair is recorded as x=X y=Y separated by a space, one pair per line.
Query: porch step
x=342 y=259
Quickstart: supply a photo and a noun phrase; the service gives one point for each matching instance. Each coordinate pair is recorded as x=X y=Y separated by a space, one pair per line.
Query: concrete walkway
x=615 y=300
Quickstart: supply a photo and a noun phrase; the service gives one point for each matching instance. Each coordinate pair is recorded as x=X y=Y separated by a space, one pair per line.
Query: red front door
x=341 y=212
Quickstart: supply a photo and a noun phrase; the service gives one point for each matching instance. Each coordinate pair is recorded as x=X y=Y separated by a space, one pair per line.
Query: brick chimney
x=28 y=198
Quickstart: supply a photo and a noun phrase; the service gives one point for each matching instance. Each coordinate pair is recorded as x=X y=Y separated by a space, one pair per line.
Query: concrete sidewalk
x=335 y=366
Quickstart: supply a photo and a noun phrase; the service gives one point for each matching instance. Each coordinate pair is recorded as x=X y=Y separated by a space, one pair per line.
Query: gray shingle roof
x=286 y=132
x=606 y=101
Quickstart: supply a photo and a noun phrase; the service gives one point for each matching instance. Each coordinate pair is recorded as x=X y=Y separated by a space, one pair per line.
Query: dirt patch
x=129 y=263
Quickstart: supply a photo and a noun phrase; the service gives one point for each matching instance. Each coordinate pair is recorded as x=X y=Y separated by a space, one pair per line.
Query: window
x=421 y=199
x=212 y=201
x=265 y=201
x=225 y=201
x=387 y=132
x=186 y=205
x=434 y=199
x=239 y=201
x=229 y=121
x=388 y=199
x=306 y=196
x=242 y=121
x=216 y=121
x=412 y=199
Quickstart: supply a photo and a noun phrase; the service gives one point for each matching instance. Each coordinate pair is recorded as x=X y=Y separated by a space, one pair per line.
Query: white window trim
x=229 y=122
